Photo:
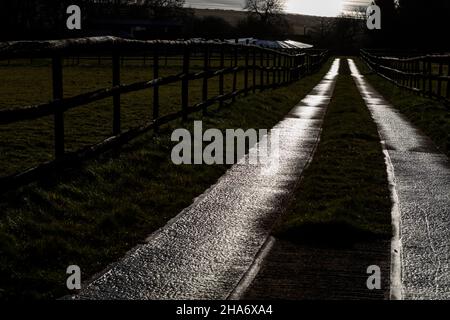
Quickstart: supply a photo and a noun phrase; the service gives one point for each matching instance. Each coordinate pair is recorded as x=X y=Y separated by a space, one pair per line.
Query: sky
x=329 y=8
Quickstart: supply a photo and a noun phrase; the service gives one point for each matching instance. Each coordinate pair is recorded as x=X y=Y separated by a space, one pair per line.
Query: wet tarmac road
x=422 y=183
x=205 y=251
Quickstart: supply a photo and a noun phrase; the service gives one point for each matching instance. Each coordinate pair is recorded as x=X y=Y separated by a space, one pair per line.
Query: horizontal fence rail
x=428 y=75
x=269 y=68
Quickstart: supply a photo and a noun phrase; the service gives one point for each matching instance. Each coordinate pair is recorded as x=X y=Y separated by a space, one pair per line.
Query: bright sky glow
x=329 y=8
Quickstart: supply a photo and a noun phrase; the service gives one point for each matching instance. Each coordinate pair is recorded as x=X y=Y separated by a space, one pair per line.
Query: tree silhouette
x=39 y=19
x=412 y=24
x=387 y=36
x=423 y=24
x=265 y=20
x=265 y=10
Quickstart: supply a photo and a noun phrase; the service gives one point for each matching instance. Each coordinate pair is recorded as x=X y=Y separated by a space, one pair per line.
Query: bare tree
x=265 y=10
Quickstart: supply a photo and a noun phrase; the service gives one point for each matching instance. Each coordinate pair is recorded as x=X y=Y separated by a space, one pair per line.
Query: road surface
x=206 y=250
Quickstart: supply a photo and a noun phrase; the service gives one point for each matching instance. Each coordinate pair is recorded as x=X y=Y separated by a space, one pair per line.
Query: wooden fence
x=428 y=75
x=268 y=68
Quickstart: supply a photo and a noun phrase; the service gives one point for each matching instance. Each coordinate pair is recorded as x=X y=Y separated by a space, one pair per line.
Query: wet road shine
x=205 y=251
x=422 y=184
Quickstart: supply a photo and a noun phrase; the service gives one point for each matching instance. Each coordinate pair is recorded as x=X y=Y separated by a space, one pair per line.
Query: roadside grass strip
x=344 y=193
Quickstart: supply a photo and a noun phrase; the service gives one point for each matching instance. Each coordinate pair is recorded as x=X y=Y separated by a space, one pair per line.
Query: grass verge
x=431 y=116
x=31 y=142
x=344 y=194
x=92 y=215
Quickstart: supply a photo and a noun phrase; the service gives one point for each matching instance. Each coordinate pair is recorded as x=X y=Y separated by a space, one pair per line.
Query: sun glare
x=329 y=8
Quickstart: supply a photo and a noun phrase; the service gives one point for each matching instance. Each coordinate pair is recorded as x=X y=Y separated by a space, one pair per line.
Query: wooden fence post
x=274 y=74
x=294 y=60
x=447 y=95
x=246 y=71
x=411 y=78
x=307 y=63
x=235 y=73
x=403 y=69
x=185 y=83
x=416 y=70
x=279 y=68
x=295 y=63
x=430 y=80
x=288 y=68
x=57 y=79
x=408 y=76
x=424 y=76
x=300 y=66
x=439 y=88
x=156 y=87
x=221 y=76
x=294 y=68
x=261 y=71
x=205 y=78
x=304 y=66
x=116 y=97
x=254 y=69
x=391 y=73
x=407 y=70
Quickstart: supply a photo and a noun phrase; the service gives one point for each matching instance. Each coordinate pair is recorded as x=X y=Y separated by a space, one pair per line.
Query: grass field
x=344 y=195
x=90 y=216
x=431 y=116
x=31 y=142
